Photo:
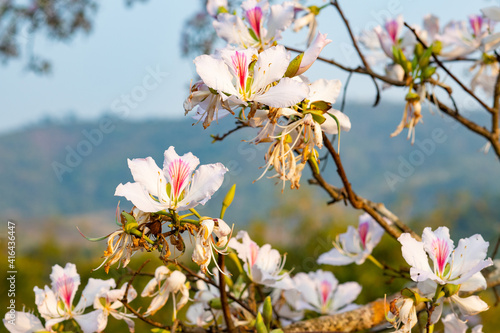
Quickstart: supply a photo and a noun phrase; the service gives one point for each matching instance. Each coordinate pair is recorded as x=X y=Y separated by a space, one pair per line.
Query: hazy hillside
x=68 y=168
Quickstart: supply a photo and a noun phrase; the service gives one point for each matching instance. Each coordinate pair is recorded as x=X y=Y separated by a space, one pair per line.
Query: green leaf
x=294 y=66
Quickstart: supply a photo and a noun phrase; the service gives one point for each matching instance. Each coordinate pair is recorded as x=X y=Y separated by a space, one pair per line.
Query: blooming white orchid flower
x=263 y=265
x=24 y=322
x=164 y=283
x=321 y=292
x=175 y=187
x=264 y=24
x=460 y=266
x=308 y=19
x=205 y=243
x=452 y=324
x=243 y=76
x=109 y=302
x=56 y=305
x=355 y=245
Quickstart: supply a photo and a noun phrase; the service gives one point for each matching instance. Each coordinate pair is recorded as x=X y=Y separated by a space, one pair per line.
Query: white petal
x=24 y=322
x=345 y=294
x=46 y=301
x=335 y=258
x=286 y=93
x=493 y=13
x=214 y=5
x=415 y=256
x=146 y=172
x=324 y=90
x=280 y=18
x=270 y=67
x=215 y=74
x=206 y=180
x=89 y=322
x=232 y=29
x=93 y=287
x=469 y=258
x=474 y=283
x=157 y=303
x=471 y=305
x=454 y=325
x=135 y=193
x=330 y=125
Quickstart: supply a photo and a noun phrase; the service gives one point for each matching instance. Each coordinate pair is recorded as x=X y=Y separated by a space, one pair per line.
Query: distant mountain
x=74 y=167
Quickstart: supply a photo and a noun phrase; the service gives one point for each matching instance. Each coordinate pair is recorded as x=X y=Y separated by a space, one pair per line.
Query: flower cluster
x=255 y=79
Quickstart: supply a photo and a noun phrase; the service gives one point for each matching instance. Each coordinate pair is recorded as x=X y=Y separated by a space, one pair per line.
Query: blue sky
x=94 y=73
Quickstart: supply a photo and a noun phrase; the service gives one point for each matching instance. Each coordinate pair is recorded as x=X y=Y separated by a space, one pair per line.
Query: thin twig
x=223 y=296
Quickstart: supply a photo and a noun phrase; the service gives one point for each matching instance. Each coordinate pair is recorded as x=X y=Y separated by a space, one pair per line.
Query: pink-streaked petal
x=215 y=74
x=135 y=193
x=147 y=173
x=24 y=323
x=470 y=306
x=330 y=125
x=89 y=322
x=438 y=246
x=206 y=180
x=170 y=156
x=415 y=256
x=270 y=67
x=65 y=282
x=93 y=287
x=286 y=93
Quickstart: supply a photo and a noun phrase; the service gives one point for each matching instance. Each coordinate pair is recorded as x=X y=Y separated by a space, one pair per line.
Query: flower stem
x=376 y=262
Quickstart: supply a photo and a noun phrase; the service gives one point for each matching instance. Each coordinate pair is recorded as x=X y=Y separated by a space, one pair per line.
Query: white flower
x=321 y=292
x=56 y=304
x=264 y=24
x=263 y=265
x=109 y=302
x=22 y=322
x=174 y=187
x=307 y=19
x=231 y=75
x=205 y=243
x=167 y=282
x=402 y=314
x=460 y=266
x=355 y=245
